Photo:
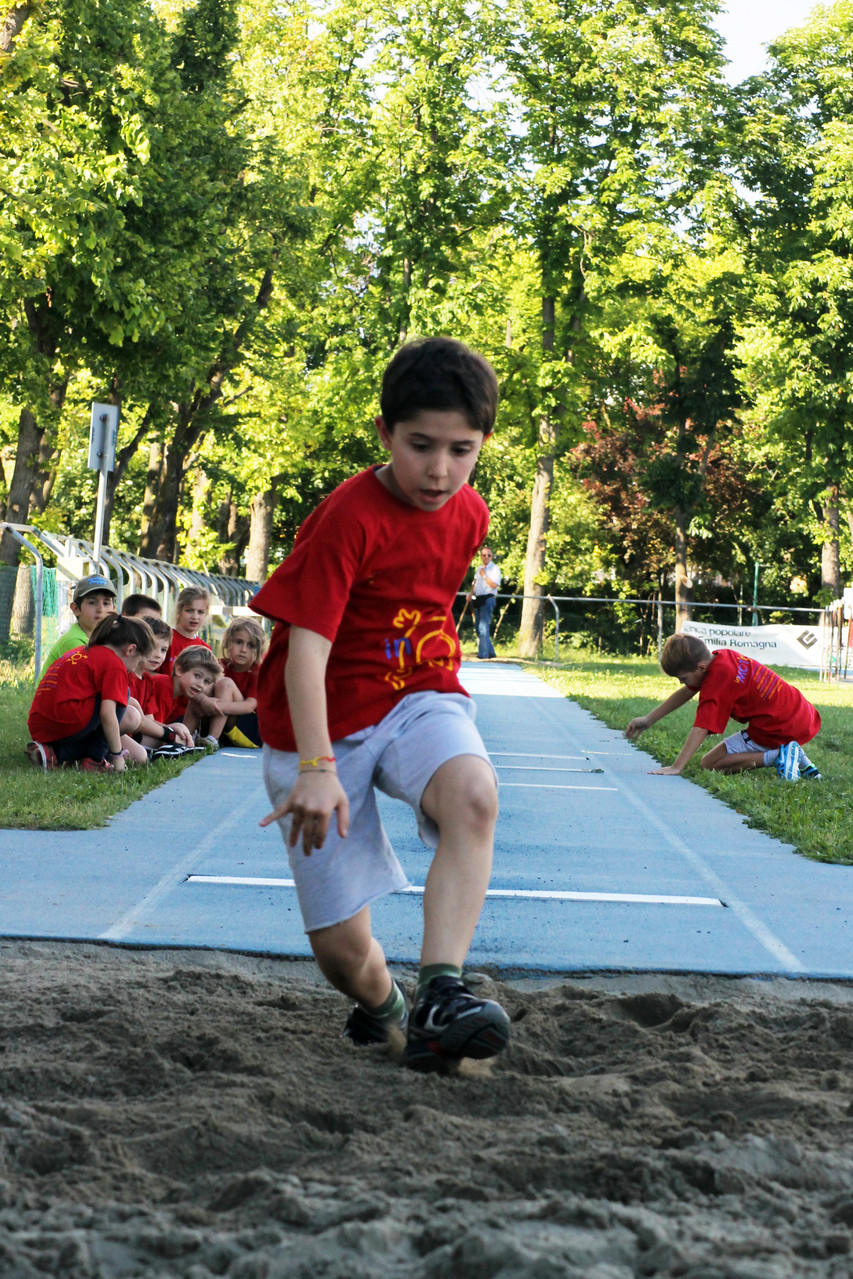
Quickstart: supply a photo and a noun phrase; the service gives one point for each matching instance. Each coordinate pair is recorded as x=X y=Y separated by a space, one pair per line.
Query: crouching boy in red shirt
x=779 y=721
x=359 y=690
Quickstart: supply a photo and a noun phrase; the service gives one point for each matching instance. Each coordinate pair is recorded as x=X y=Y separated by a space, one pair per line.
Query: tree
x=797 y=343
x=617 y=104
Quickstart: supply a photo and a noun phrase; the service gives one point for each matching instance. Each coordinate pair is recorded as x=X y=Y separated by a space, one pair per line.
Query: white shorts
x=743 y=742
x=397 y=756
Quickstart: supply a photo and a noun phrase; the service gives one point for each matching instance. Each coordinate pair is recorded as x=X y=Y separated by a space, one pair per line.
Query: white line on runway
x=528 y=755
x=542 y=768
x=539 y=894
x=551 y=786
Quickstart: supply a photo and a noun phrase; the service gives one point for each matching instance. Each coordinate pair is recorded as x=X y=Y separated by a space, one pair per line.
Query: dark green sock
x=429 y=971
x=392 y=1010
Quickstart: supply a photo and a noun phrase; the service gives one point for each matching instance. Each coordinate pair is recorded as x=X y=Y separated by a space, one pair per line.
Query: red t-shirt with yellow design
x=377 y=577
x=66 y=697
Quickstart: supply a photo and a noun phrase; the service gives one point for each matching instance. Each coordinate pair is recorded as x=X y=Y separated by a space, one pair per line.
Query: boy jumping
x=779 y=720
x=359 y=691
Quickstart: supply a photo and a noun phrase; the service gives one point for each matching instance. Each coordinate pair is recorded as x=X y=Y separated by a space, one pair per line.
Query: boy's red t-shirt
x=66 y=696
x=246 y=681
x=155 y=695
x=377 y=578
x=738 y=687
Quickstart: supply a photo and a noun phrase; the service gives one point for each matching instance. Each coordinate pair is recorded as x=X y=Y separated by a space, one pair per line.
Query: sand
x=191 y=1114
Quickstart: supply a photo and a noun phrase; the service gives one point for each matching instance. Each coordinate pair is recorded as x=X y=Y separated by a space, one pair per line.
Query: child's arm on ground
x=317 y=793
x=695 y=738
x=112 y=732
x=680 y=697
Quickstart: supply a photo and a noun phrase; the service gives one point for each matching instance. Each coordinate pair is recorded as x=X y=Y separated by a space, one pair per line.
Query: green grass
x=813 y=816
x=64 y=799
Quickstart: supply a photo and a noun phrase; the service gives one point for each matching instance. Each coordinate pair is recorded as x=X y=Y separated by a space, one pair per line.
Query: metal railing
x=132 y=574
x=658 y=604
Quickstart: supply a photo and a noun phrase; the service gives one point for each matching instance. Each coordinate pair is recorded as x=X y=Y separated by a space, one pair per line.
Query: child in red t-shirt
x=155 y=695
x=359 y=691
x=779 y=720
x=192 y=609
x=80 y=712
x=240 y=652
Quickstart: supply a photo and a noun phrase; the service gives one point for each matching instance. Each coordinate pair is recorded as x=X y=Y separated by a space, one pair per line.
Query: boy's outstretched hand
x=311 y=802
x=637 y=726
x=669 y=771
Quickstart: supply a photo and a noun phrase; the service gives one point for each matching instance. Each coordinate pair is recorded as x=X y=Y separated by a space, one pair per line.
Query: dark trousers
x=88 y=742
x=485 y=606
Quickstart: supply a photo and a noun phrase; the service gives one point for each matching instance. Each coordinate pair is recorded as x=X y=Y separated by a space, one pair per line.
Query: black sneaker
x=448 y=1022
x=169 y=750
x=364 y=1030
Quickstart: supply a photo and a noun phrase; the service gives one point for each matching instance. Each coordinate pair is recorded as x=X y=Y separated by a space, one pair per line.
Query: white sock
x=771 y=756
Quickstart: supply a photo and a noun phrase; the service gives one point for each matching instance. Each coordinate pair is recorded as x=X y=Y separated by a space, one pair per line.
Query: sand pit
x=191 y=1114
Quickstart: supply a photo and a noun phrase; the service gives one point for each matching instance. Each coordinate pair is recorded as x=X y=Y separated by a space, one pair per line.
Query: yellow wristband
x=318 y=759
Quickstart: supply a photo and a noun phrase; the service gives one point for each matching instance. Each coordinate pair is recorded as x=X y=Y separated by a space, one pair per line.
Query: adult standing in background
x=487 y=579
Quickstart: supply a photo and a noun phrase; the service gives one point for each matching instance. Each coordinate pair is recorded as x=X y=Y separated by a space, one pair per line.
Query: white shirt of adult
x=487 y=577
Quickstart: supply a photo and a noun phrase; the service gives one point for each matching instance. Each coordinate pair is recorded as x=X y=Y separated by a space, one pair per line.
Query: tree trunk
x=532 y=610
x=830 y=554
x=683 y=584
x=24 y=476
x=193 y=423
x=152 y=488
x=261 y=512
x=198 y=521
x=12 y=26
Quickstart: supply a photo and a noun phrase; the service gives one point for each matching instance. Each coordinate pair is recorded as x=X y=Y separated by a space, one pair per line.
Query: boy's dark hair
x=196 y=657
x=683 y=653
x=159 y=628
x=116 y=631
x=439 y=373
x=134 y=604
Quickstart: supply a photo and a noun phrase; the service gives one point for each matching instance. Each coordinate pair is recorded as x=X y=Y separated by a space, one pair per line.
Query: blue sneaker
x=788 y=763
x=808 y=771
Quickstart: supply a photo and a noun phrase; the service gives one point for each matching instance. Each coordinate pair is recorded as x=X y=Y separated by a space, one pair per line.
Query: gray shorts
x=397 y=756
x=742 y=742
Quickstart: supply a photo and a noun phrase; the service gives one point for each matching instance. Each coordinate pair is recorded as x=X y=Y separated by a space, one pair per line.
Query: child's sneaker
x=96 y=766
x=169 y=750
x=808 y=771
x=42 y=755
x=788 y=763
x=210 y=742
x=448 y=1022
x=364 y=1030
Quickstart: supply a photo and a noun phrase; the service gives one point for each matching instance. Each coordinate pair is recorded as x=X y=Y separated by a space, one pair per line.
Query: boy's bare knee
x=462 y=791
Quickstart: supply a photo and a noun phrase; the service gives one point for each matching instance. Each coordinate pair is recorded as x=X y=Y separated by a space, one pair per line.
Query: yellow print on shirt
x=406 y=651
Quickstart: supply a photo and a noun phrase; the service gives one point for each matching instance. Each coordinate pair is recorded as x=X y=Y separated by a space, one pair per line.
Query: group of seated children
x=121 y=689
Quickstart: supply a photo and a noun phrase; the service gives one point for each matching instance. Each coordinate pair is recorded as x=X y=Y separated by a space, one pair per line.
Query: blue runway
x=598 y=865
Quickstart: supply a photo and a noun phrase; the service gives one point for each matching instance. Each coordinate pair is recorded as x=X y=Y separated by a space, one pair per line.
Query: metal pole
x=556 y=629
x=755 y=594
x=99 y=517
x=660 y=627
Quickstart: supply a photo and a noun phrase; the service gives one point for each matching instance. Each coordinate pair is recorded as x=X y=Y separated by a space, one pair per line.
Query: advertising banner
x=772 y=645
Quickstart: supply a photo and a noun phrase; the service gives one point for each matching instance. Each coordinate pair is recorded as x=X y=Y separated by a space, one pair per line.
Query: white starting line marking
x=541 y=768
x=539 y=894
x=552 y=786
x=531 y=755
